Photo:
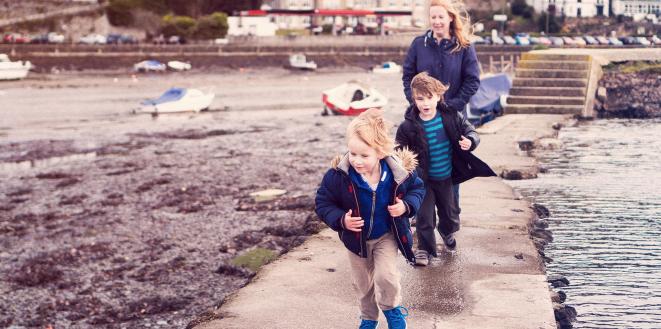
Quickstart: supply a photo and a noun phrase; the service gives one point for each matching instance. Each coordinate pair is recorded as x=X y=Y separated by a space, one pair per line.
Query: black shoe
x=450 y=242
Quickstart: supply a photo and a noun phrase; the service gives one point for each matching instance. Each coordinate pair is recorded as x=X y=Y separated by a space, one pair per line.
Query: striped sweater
x=440 y=152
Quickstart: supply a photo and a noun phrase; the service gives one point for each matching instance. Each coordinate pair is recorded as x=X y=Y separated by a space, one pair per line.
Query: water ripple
x=602 y=191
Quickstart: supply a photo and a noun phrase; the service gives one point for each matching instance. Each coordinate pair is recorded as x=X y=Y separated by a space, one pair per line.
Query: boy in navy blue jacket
x=368 y=196
x=443 y=140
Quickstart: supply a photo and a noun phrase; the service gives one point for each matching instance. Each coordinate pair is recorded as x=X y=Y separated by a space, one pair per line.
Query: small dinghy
x=13 y=70
x=177 y=100
x=352 y=98
x=387 y=67
x=299 y=61
x=149 y=66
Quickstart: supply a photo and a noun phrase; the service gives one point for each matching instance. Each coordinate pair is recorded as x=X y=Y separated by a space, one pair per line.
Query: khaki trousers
x=376 y=278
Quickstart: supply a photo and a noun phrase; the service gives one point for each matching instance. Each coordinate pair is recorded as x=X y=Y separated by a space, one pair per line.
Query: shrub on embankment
x=180 y=18
x=630 y=90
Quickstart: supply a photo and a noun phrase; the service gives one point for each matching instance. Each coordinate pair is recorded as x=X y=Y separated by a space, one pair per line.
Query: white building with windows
x=417 y=7
x=633 y=7
x=573 y=8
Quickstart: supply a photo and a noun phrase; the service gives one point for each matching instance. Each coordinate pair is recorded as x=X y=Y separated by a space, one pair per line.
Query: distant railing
x=501 y=64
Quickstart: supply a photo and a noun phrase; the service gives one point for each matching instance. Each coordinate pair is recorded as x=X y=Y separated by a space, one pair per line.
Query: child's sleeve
x=414 y=195
x=327 y=204
x=468 y=130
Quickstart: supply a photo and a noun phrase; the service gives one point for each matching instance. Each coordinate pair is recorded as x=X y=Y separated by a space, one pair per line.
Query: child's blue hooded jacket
x=337 y=194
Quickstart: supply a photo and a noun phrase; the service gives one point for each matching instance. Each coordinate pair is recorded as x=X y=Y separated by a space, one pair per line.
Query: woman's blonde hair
x=461 y=27
x=371 y=128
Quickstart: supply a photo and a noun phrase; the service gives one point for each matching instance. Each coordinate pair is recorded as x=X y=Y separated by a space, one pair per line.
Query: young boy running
x=443 y=140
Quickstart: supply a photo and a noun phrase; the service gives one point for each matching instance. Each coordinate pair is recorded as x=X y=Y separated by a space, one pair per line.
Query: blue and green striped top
x=438 y=145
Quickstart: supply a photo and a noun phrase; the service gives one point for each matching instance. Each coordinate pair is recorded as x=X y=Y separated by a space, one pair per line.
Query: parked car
x=55 y=37
x=497 y=41
x=176 y=40
x=591 y=40
x=628 y=40
x=615 y=41
x=569 y=41
x=557 y=41
x=603 y=41
x=655 y=40
x=509 y=40
x=93 y=39
x=117 y=39
x=545 y=41
x=522 y=40
x=643 y=41
x=478 y=40
x=39 y=39
x=159 y=40
x=580 y=41
x=15 y=38
x=220 y=41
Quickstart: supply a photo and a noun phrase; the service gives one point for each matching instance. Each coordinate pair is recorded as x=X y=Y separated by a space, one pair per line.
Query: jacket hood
x=401 y=162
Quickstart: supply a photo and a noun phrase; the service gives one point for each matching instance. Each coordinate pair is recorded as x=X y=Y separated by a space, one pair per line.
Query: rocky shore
x=630 y=90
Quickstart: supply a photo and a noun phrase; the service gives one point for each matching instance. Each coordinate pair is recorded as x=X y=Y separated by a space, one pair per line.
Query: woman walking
x=445 y=53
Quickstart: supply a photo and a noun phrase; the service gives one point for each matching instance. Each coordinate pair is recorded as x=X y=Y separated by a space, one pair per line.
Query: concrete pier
x=495 y=279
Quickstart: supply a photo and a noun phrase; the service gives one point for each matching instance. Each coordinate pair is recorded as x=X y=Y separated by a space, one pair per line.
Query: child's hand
x=398 y=208
x=353 y=223
x=465 y=143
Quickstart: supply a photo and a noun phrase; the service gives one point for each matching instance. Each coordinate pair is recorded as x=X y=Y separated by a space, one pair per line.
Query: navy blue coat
x=458 y=70
x=337 y=194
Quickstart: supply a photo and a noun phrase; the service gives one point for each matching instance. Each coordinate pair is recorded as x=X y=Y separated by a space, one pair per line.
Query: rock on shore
x=631 y=95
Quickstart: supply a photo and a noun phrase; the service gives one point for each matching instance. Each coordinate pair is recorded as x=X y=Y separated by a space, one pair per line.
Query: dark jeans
x=439 y=195
x=455 y=189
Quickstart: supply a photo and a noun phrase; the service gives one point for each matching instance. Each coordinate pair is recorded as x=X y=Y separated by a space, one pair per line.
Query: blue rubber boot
x=368 y=324
x=396 y=317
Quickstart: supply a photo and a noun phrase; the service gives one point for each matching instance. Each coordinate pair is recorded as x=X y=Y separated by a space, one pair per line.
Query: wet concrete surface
x=114 y=220
x=495 y=279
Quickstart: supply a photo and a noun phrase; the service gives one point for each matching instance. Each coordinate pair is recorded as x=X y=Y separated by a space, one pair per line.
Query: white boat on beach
x=299 y=61
x=177 y=100
x=179 y=66
x=352 y=98
x=13 y=70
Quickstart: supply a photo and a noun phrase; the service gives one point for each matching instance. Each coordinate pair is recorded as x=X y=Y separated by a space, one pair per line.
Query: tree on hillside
x=212 y=26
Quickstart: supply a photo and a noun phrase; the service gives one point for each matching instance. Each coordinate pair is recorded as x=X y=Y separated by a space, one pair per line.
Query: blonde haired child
x=368 y=196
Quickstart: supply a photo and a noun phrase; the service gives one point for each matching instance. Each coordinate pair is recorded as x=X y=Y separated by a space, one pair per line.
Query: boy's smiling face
x=363 y=158
x=426 y=104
